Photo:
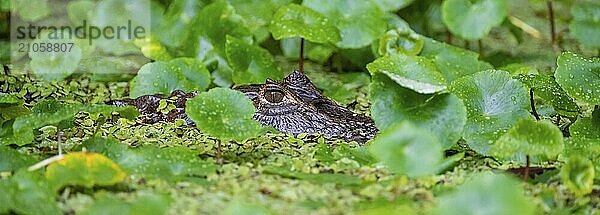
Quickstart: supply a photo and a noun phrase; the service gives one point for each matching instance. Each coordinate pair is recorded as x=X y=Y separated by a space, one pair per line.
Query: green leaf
x=475 y=196
x=84 y=169
x=319 y=53
x=145 y=203
x=12 y=160
x=299 y=21
x=341 y=87
x=115 y=69
x=443 y=115
x=173 y=163
x=113 y=13
x=578 y=175
x=453 y=62
x=224 y=113
x=545 y=87
x=27 y=193
x=413 y=72
x=579 y=77
x=408 y=150
x=258 y=14
x=237 y=207
x=218 y=20
x=251 y=64
x=177 y=28
x=400 y=40
x=80 y=10
x=587 y=127
x=473 y=19
x=585 y=148
x=392 y=5
x=495 y=102
x=585 y=25
x=53 y=112
x=522 y=70
x=541 y=140
x=11 y=107
x=359 y=22
x=24 y=9
x=53 y=66
x=340 y=179
x=165 y=77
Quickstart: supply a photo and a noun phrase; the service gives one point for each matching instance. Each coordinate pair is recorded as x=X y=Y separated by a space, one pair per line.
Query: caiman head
x=294 y=105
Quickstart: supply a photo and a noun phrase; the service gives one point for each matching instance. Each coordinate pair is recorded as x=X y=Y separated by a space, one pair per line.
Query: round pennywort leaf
x=473 y=19
x=413 y=72
x=408 y=150
x=495 y=102
x=579 y=77
x=224 y=113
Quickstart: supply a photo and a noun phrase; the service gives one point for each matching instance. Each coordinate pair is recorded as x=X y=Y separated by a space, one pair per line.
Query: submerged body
x=293 y=105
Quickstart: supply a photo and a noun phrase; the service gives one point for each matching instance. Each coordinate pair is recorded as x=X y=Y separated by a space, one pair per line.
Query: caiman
x=293 y=105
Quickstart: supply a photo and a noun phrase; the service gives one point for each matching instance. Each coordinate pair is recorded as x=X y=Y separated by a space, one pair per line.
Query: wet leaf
x=444 y=115
x=251 y=64
x=225 y=114
x=475 y=197
x=84 y=169
x=173 y=163
x=392 y=5
x=407 y=150
x=299 y=21
x=541 y=140
x=585 y=25
x=359 y=22
x=453 y=62
x=413 y=72
x=584 y=148
x=473 y=20
x=545 y=87
x=578 y=175
x=587 y=127
x=495 y=102
x=160 y=77
x=579 y=77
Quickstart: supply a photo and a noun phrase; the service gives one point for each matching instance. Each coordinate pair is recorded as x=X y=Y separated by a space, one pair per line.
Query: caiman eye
x=274 y=96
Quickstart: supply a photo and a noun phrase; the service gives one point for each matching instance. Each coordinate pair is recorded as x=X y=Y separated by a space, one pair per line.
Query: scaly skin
x=293 y=105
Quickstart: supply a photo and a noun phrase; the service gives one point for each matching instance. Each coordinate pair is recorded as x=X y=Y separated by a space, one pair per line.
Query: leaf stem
x=301 y=62
x=551 y=20
x=533 y=110
x=526 y=170
x=60 y=136
x=480 y=44
x=218 y=155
